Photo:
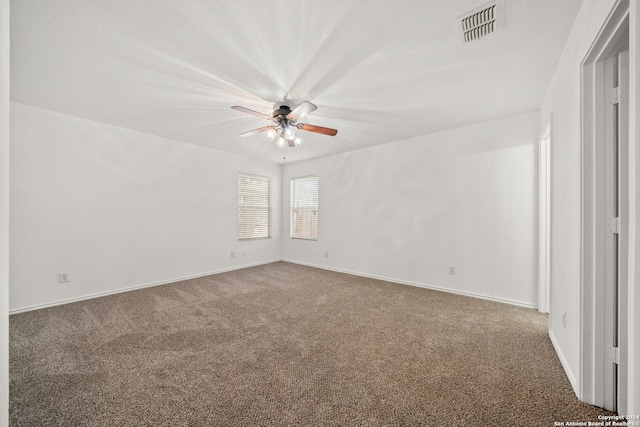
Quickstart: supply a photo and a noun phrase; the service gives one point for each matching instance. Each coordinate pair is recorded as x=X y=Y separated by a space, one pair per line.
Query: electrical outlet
x=233 y=254
x=326 y=254
x=63 y=277
x=564 y=319
x=452 y=270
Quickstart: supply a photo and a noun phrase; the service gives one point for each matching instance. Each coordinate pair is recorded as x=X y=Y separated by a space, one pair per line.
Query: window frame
x=254 y=207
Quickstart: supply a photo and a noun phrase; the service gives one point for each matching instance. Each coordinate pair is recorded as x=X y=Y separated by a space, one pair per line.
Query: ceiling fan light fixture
x=281 y=142
x=289 y=133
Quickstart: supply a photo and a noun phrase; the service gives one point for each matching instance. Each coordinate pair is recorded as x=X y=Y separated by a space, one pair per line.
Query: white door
x=616 y=149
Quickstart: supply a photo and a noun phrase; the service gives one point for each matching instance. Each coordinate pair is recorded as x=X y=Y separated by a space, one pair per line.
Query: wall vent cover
x=481 y=22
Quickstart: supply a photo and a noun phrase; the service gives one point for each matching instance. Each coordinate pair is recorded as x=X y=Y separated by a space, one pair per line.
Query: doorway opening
x=544 y=221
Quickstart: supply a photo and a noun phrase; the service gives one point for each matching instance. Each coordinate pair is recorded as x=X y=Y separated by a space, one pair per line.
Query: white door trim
x=544 y=221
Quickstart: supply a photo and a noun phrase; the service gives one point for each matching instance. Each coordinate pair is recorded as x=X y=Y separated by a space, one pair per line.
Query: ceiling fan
x=285 y=122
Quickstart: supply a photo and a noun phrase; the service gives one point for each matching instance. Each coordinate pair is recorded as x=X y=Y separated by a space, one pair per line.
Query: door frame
x=593 y=353
x=544 y=220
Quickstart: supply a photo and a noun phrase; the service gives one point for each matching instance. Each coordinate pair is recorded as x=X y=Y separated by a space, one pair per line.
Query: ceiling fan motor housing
x=283 y=111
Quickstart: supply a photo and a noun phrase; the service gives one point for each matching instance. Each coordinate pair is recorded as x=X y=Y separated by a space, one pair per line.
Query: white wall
x=562 y=103
x=118 y=209
x=407 y=210
x=4 y=212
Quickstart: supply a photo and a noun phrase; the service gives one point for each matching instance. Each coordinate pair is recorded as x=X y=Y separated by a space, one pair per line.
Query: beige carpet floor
x=283 y=344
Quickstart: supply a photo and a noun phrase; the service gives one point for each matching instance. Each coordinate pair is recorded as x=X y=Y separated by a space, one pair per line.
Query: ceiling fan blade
x=248 y=111
x=259 y=130
x=301 y=110
x=317 y=129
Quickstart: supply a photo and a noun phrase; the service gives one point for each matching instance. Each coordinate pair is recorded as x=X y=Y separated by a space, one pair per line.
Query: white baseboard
x=565 y=364
x=355 y=273
x=419 y=285
x=133 y=288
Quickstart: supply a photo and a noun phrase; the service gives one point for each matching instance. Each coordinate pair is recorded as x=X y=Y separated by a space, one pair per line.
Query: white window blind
x=253 y=207
x=304 y=208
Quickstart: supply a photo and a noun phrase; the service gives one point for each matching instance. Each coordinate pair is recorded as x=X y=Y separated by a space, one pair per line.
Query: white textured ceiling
x=379 y=71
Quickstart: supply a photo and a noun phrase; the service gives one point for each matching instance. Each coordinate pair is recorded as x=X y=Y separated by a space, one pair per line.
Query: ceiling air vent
x=481 y=22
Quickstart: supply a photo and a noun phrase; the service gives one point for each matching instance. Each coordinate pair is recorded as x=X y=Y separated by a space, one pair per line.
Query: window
x=304 y=208
x=253 y=207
